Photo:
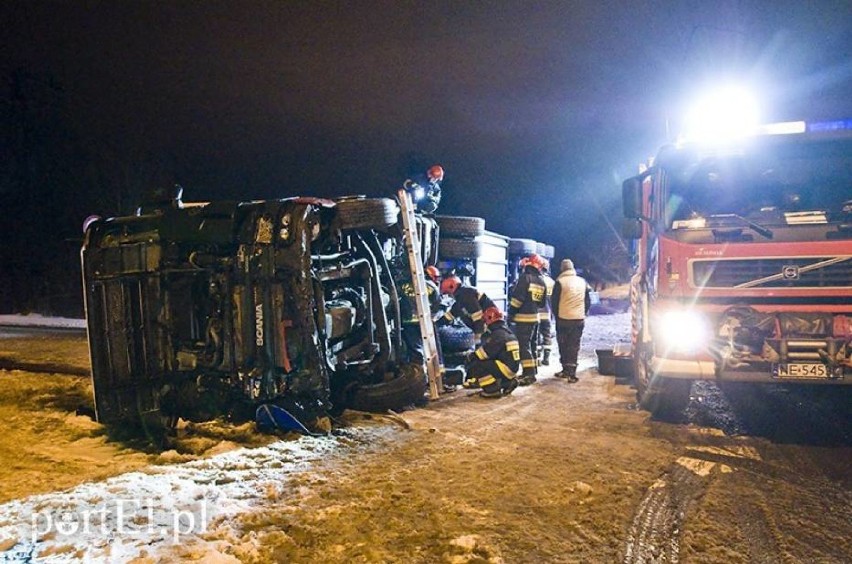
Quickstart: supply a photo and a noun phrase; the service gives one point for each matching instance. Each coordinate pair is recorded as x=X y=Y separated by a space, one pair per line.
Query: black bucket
x=606 y=362
x=623 y=366
x=623 y=360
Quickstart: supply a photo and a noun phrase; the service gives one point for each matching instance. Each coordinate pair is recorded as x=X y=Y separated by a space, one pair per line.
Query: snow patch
x=37 y=320
x=132 y=515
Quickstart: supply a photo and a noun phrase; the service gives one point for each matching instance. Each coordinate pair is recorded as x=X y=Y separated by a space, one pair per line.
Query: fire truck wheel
x=406 y=389
x=666 y=398
x=366 y=213
x=460 y=226
x=459 y=249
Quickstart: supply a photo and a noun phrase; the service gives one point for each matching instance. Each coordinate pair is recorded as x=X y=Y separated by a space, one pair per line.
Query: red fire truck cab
x=743 y=257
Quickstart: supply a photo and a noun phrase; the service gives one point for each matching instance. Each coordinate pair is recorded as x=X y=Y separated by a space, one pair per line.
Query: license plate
x=800 y=370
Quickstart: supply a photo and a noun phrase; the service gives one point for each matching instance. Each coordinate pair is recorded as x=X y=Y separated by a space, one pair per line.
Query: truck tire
x=366 y=213
x=664 y=398
x=408 y=388
x=521 y=247
x=455 y=339
x=459 y=249
x=460 y=226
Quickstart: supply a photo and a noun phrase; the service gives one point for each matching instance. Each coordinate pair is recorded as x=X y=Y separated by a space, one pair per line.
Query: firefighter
x=411 y=333
x=545 y=314
x=436 y=306
x=425 y=189
x=527 y=299
x=571 y=301
x=468 y=305
x=433 y=275
x=494 y=365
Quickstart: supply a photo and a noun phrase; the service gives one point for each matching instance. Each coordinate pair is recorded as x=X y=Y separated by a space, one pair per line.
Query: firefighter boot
x=509 y=386
x=526 y=379
x=545 y=357
x=571 y=373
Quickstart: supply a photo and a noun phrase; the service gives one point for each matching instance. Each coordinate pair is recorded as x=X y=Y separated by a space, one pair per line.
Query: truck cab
x=743 y=261
x=212 y=309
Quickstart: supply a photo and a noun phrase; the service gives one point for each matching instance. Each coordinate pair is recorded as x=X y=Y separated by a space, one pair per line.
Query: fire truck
x=743 y=261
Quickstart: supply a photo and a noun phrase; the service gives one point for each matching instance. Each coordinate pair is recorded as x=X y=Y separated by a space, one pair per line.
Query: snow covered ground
x=555 y=472
x=37 y=320
x=133 y=515
x=188 y=501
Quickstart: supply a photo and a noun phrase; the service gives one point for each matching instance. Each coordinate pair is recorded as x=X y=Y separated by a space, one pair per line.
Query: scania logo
x=258 y=324
x=790 y=272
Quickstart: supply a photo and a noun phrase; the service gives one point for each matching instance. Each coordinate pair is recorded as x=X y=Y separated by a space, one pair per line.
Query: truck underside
x=215 y=309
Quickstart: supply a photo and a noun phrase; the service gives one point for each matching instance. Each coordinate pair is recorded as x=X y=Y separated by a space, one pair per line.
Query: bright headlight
x=684 y=331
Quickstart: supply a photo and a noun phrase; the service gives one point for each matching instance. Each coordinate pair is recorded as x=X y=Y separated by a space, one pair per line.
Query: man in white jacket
x=571 y=301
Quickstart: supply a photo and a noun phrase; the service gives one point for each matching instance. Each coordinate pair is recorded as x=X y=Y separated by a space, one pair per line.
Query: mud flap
x=270 y=417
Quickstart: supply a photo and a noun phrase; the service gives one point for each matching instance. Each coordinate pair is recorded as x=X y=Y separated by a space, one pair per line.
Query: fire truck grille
x=810 y=272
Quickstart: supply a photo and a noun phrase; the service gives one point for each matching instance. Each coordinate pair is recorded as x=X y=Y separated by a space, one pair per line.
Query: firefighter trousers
x=527 y=334
x=488 y=375
x=545 y=333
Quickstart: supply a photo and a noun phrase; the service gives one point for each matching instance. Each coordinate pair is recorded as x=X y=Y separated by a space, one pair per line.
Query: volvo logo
x=790 y=272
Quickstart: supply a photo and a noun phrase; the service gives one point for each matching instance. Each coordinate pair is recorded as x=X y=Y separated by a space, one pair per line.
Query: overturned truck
x=214 y=309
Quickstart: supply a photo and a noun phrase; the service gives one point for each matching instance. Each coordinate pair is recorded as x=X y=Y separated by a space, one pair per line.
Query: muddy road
x=556 y=472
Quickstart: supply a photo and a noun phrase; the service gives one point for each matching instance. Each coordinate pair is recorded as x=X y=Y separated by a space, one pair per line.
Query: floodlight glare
x=725 y=114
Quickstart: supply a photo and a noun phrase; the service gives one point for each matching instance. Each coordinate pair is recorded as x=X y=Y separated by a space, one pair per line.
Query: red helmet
x=435 y=173
x=523 y=262
x=450 y=284
x=433 y=273
x=536 y=261
x=492 y=314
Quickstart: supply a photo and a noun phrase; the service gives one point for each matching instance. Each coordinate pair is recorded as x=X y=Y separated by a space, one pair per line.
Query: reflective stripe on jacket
x=528 y=297
x=501 y=345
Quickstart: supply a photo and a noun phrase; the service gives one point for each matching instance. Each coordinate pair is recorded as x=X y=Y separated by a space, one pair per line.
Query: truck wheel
x=665 y=398
x=520 y=247
x=366 y=213
x=455 y=339
x=460 y=226
x=459 y=248
x=406 y=389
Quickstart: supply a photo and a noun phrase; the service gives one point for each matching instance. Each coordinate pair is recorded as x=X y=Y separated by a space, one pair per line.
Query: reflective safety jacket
x=501 y=346
x=469 y=305
x=408 y=303
x=528 y=297
x=571 y=297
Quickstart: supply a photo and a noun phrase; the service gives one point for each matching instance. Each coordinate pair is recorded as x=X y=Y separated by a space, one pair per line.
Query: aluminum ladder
x=418 y=280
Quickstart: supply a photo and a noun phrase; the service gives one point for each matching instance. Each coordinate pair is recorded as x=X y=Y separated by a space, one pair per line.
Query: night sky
x=536 y=110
